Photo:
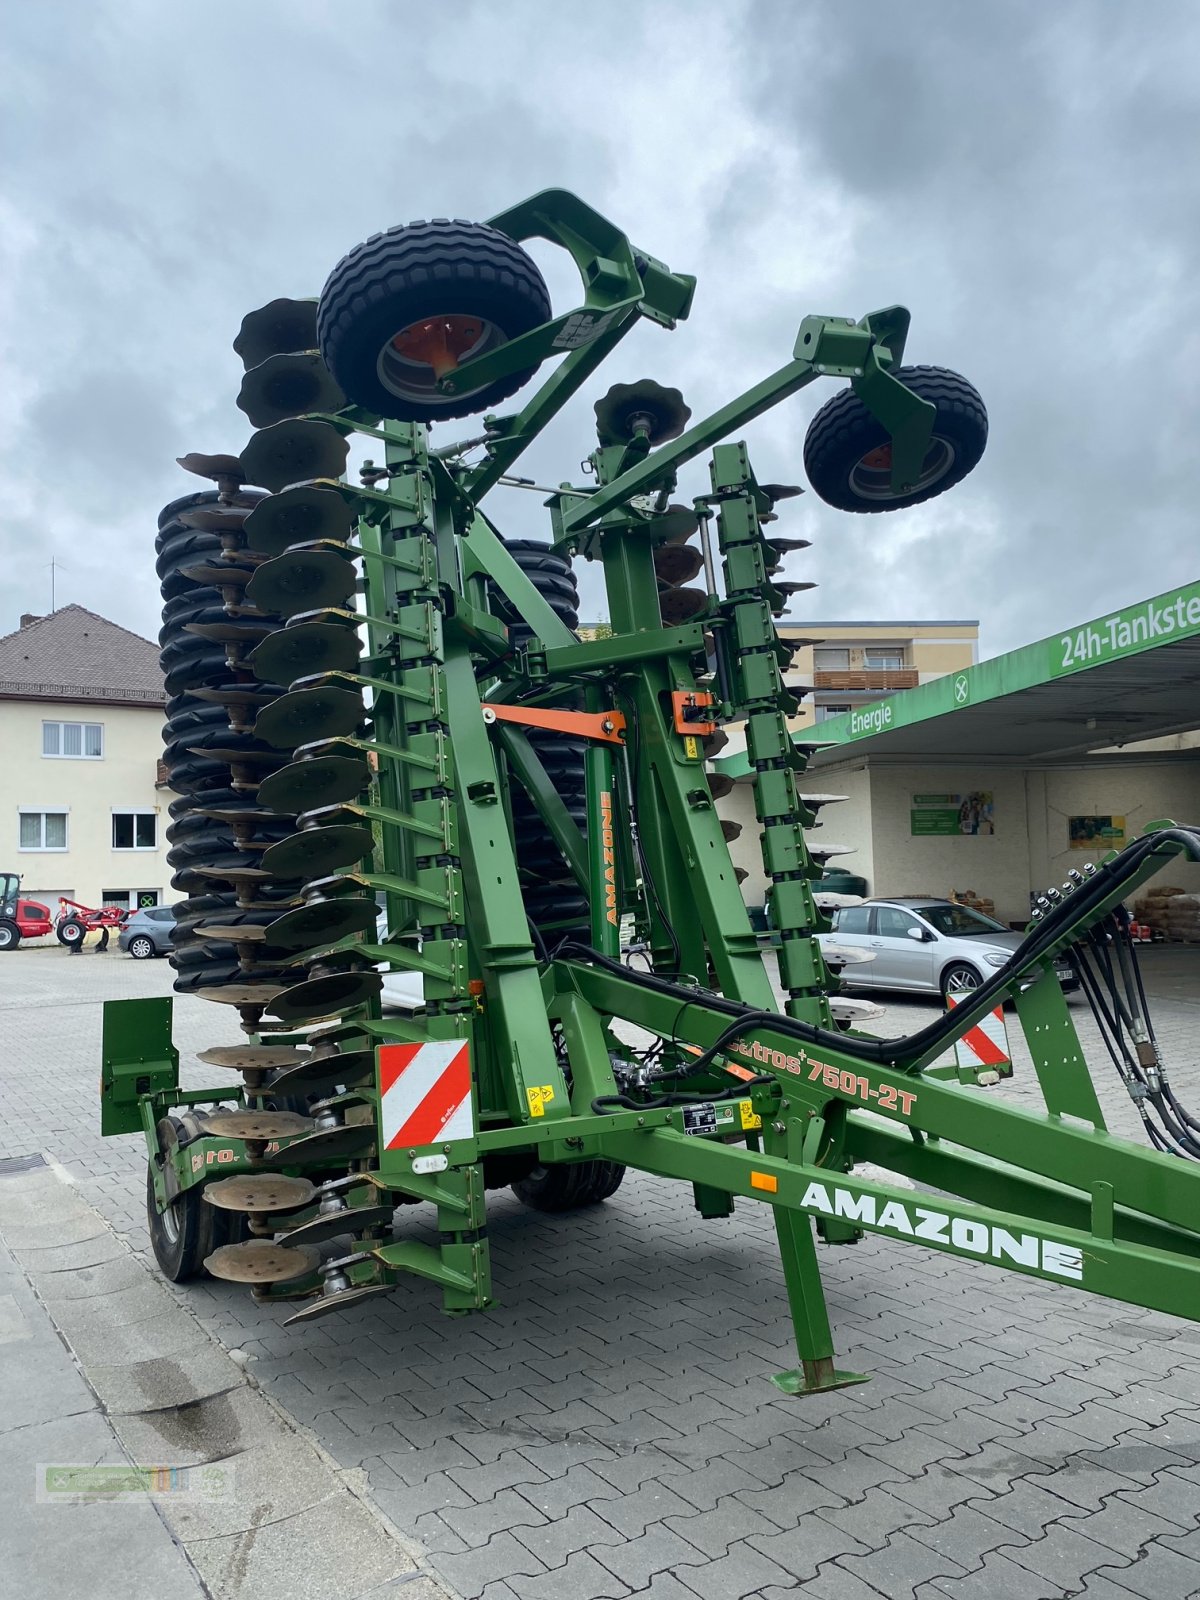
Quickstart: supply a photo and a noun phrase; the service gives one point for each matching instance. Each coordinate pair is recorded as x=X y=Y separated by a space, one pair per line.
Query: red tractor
x=20 y=919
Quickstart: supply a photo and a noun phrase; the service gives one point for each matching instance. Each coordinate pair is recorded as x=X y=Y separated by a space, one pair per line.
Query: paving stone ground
x=609 y=1428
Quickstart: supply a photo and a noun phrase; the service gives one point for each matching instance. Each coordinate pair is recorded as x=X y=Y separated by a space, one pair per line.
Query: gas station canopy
x=1128 y=676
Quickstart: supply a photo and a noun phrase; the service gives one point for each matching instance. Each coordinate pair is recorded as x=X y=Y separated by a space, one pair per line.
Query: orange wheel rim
x=878 y=460
x=438 y=342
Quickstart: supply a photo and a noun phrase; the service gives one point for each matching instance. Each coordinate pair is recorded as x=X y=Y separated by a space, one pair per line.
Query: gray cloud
x=1021 y=176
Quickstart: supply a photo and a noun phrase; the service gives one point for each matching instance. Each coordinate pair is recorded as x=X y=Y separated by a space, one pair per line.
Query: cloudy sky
x=1021 y=175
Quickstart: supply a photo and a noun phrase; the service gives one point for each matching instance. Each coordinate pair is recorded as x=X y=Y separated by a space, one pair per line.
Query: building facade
x=997 y=780
x=82 y=814
x=841 y=666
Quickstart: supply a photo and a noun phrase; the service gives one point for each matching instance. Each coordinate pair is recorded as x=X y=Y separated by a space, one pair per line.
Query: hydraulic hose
x=893 y=1052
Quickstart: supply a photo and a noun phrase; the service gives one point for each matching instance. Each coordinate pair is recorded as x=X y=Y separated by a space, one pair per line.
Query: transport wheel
x=10 y=935
x=190 y=1229
x=409 y=305
x=959 y=975
x=848 y=453
x=71 y=932
x=141 y=948
x=569 y=1188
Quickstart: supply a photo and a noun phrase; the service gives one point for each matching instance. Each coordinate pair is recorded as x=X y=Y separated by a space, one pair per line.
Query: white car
x=930 y=946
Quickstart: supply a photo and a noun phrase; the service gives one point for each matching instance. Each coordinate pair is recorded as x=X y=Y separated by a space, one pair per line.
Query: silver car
x=930 y=946
x=147 y=932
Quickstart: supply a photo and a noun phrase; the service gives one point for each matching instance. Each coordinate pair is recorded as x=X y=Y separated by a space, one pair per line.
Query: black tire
x=182 y=1236
x=221 y=974
x=218 y=735
x=10 y=935
x=194 y=827
x=212 y=975
x=554 y=911
x=185 y=667
x=141 y=947
x=198 y=777
x=211 y=853
x=192 y=1229
x=960 y=975
x=199 y=717
x=569 y=1188
x=226 y=798
x=203 y=594
x=188 y=502
x=551 y=575
x=419 y=272
x=181 y=614
x=190 y=547
x=71 y=932
x=227 y=916
x=843 y=434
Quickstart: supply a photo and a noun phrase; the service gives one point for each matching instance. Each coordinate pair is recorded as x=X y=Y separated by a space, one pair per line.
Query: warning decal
x=539 y=1098
x=425 y=1093
x=985 y=1044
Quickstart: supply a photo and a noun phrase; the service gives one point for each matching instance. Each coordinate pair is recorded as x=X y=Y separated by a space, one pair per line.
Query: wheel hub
x=871 y=475
x=414 y=360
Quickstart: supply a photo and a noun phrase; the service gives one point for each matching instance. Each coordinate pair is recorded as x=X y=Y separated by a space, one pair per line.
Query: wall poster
x=1096 y=833
x=945 y=815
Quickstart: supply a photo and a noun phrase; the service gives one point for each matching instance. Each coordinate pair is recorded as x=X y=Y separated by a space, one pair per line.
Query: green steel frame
x=778 y=1106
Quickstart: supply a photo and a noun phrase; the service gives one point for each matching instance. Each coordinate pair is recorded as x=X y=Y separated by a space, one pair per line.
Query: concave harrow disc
x=319 y=997
x=256 y=1125
x=335 y=1144
x=352 y=1068
x=321 y=781
x=260 y=1192
x=259 y=1261
x=339 y=1300
x=322 y=922
x=297 y=516
x=252 y=1057
x=318 y=851
x=339 y=1224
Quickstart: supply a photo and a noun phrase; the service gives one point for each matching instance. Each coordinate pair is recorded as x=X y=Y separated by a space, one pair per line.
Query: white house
x=81 y=714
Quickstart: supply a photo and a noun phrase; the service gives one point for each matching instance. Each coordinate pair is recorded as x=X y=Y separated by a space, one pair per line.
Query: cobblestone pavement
x=609 y=1430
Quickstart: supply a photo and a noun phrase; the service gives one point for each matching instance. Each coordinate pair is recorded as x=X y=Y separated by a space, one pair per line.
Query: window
x=821 y=712
x=828 y=660
x=891 y=923
x=43 y=830
x=890 y=660
x=135 y=830
x=854 y=919
x=74 y=740
x=960 y=922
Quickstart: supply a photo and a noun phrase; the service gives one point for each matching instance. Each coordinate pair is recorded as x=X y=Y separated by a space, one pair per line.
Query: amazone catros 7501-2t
x=395 y=754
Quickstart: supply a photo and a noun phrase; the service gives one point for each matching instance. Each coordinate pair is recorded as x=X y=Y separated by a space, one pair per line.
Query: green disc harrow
x=461 y=873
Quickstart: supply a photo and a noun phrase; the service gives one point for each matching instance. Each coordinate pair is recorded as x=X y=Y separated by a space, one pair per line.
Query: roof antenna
x=54 y=567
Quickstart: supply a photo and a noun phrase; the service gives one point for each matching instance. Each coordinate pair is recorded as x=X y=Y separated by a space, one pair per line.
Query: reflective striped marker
x=984 y=1045
x=425 y=1093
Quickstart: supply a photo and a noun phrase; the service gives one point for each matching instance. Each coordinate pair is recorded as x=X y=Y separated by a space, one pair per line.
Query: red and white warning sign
x=425 y=1093
x=986 y=1044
